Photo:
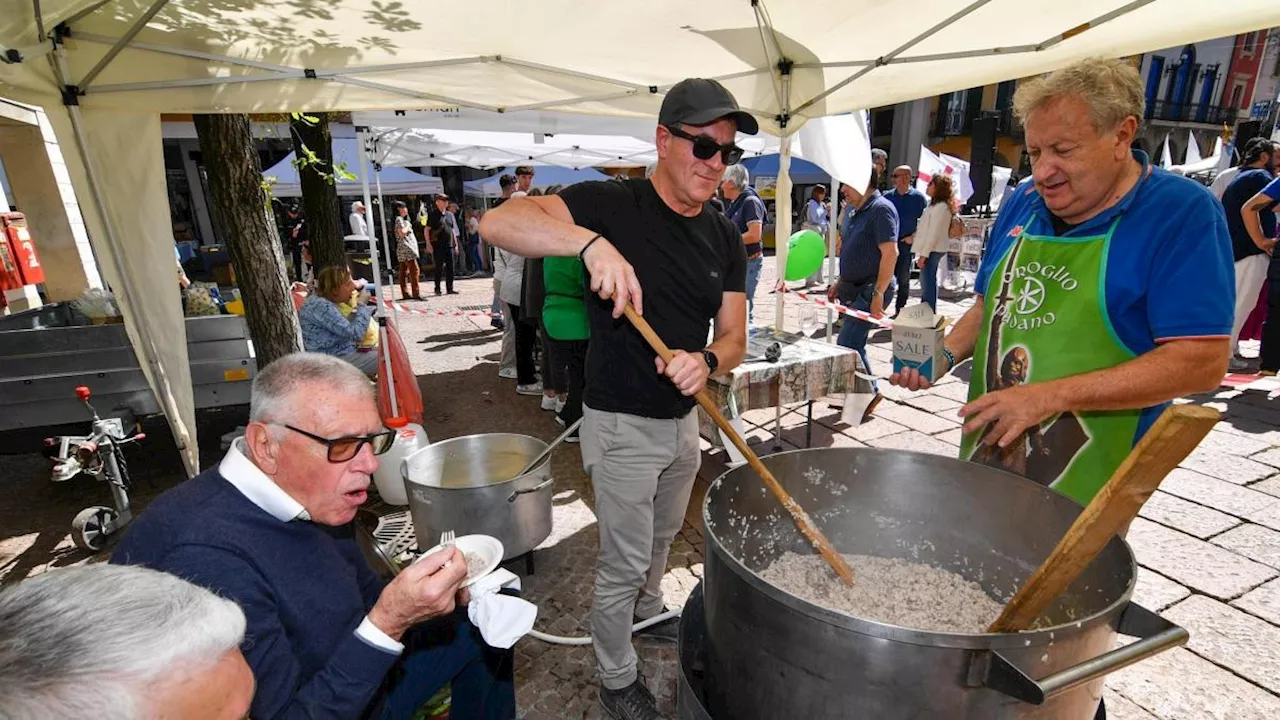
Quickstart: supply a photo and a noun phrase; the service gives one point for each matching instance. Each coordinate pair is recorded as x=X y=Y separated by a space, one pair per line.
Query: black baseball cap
x=699 y=101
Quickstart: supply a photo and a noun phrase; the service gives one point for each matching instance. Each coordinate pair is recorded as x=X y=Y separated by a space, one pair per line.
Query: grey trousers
x=642 y=470
x=508 y=358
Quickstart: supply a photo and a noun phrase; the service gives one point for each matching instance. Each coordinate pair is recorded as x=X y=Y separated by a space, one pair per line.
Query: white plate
x=486 y=546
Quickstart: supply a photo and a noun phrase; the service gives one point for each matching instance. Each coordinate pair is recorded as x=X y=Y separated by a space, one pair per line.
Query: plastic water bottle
x=409 y=437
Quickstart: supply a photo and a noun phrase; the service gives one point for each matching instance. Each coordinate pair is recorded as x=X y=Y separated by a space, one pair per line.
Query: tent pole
x=382 y=214
x=782 y=222
x=377 y=270
x=833 y=230
x=122 y=43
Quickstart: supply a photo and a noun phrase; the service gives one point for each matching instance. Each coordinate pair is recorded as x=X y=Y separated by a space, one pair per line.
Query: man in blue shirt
x=1106 y=291
x=1250 y=249
x=910 y=204
x=868 y=253
x=271 y=528
x=747 y=213
x=1258 y=216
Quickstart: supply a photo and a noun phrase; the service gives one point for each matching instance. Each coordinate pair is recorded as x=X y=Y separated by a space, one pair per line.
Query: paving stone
x=1178 y=685
x=1222 y=441
x=958 y=392
x=1156 y=592
x=932 y=403
x=1195 y=563
x=876 y=427
x=1270 y=486
x=1252 y=429
x=1254 y=542
x=1232 y=468
x=1191 y=518
x=1120 y=707
x=1217 y=494
x=1268 y=516
x=1263 y=601
x=951 y=437
x=1229 y=637
x=916 y=442
x=914 y=419
x=823 y=436
x=1270 y=457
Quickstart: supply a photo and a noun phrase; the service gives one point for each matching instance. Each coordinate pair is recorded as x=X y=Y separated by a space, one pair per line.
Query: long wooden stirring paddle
x=798 y=514
x=1173 y=436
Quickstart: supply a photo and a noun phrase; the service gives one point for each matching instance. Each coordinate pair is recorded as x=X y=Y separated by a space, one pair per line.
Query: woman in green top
x=564 y=315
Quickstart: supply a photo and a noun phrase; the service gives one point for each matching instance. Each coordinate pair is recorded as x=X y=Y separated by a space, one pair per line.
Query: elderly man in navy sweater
x=270 y=528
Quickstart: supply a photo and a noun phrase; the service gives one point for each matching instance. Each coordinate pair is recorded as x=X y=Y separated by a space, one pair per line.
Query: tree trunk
x=239 y=205
x=319 y=191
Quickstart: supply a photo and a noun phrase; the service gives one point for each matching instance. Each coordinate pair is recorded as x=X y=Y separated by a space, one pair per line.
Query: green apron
x=1045 y=318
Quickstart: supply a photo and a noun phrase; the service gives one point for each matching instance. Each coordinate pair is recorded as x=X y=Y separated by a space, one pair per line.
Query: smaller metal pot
x=467 y=485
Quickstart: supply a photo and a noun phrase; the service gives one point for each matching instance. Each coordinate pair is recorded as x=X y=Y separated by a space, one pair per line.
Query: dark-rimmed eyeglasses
x=342 y=449
x=706 y=147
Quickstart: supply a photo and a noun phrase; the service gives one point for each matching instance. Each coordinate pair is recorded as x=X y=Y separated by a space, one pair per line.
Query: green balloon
x=805 y=252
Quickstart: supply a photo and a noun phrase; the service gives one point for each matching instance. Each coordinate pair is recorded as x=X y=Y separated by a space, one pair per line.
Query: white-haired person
x=747 y=213
x=271 y=528
x=1107 y=289
x=127 y=643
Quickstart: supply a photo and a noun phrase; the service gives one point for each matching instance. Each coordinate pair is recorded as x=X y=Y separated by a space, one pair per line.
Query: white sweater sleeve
x=931 y=234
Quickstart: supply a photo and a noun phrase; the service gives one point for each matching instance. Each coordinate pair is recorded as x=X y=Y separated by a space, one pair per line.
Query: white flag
x=1193 y=149
x=838 y=144
x=1166 y=156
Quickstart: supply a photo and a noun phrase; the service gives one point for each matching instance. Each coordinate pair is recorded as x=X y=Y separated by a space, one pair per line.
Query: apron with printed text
x=1045 y=318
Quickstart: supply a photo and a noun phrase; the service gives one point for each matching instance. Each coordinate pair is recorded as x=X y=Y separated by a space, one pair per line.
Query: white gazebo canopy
x=104 y=70
x=487 y=149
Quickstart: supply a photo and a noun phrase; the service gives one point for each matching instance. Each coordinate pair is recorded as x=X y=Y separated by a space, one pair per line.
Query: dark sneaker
x=633 y=702
x=668 y=630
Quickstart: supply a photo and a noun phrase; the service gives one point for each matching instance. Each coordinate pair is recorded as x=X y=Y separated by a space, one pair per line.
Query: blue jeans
x=473 y=257
x=929 y=279
x=754 y=267
x=853 y=334
x=449 y=650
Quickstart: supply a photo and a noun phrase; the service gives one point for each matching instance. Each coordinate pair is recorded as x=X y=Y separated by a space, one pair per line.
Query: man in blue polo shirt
x=1106 y=291
x=910 y=204
x=868 y=254
x=1259 y=220
x=746 y=212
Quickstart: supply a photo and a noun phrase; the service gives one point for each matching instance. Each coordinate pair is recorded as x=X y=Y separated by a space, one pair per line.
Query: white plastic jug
x=409 y=438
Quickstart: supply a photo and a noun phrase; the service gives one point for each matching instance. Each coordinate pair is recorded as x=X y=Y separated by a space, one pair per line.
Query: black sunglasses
x=344 y=448
x=705 y=147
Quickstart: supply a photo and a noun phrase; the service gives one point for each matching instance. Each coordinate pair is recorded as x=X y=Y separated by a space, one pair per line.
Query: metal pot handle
x=992 y=670
x=534 y=489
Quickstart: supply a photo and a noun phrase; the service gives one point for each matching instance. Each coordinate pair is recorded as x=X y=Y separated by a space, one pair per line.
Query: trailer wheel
x=87 y=528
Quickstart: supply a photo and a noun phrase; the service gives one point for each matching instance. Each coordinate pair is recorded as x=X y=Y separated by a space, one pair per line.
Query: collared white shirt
x=254 y=484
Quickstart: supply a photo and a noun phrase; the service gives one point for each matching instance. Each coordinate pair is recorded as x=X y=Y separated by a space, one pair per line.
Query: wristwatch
x=712 y=361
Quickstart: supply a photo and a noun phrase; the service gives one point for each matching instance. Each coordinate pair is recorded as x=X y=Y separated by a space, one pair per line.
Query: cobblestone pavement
x=1208 y=542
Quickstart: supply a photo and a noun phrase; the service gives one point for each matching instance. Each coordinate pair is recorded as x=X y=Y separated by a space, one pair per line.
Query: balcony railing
x=1007 y=124
x=1192 y=112
x=948 y=122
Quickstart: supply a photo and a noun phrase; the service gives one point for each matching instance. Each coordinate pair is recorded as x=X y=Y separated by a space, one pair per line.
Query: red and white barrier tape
x=822 y=301
x=401 y=307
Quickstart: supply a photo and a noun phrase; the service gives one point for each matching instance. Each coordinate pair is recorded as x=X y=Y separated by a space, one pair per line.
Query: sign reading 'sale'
x=917 y=341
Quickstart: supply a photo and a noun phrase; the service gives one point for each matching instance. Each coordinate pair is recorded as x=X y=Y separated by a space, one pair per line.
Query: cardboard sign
x=917 y=341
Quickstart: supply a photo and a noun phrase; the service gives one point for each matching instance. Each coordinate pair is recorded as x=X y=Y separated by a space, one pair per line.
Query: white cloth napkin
x=502 y=619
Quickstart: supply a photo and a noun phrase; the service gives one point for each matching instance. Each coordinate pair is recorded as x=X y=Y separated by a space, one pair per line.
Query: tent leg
x=361 y=135
x=382 y=215
x=782 y=224
x=181 y=434
x=832 y=231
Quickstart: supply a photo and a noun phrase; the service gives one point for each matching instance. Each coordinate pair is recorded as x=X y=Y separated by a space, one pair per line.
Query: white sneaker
x=508 y=373
x=559 y=406
x=530 y=389
x=549 y=402
x=560 y=420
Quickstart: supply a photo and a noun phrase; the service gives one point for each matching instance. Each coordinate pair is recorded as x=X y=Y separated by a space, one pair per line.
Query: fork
x=446 y=542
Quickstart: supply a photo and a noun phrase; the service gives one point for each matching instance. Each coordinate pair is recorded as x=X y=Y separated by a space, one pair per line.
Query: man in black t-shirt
x=640 y=440
x=440 y=243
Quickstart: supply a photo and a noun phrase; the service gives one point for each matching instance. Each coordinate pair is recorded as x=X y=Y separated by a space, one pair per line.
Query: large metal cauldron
x=770 y=654
x=465 y=484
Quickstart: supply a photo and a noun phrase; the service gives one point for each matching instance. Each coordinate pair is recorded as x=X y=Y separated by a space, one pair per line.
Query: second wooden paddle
x=802 y=519
x=1173 y=436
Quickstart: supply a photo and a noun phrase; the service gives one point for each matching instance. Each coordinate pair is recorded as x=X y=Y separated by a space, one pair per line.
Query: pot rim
x=532 y=475
x=977 y=641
